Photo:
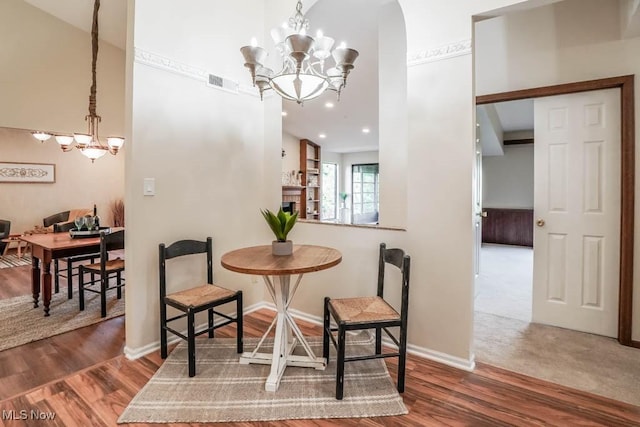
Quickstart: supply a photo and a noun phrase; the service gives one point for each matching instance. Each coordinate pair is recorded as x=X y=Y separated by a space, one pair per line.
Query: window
x=329 y=192
x=365 y=191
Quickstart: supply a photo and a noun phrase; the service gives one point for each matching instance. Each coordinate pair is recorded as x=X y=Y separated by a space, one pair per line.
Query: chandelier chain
x=94 y=60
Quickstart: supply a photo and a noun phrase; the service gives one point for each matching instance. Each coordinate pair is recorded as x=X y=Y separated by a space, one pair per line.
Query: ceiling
x=358 y=107
x=112 y=16
x=500 y=121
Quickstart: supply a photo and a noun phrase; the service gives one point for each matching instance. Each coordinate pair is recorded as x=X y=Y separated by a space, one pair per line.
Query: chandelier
x=303 y=76
x=88 y=143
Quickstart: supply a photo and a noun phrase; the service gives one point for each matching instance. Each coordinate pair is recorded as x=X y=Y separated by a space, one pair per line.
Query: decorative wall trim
x=441 y=53
x=163 y=63
x=167 y=64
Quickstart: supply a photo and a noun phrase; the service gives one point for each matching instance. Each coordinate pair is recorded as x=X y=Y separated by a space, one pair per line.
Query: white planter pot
x=282 y=248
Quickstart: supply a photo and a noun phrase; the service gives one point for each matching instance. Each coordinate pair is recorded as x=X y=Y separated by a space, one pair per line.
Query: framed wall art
x=13 y=172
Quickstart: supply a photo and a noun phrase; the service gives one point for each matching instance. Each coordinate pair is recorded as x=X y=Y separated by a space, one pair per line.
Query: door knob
x=540 y=222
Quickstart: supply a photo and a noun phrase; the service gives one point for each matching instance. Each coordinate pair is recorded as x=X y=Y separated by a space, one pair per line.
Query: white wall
x=392 y=116
x=215 y=160
x=291 y=145
x=571 y=41
x=507 y=181
x=45 y=75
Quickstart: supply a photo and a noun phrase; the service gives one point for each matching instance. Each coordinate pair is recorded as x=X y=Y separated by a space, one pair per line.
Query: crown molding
x=441 y=53
x=163 y=63
x=167 y=64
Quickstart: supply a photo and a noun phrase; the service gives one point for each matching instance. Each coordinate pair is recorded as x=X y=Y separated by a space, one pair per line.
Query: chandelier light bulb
x=254 y=42
x=343 y=45
x=319 y=34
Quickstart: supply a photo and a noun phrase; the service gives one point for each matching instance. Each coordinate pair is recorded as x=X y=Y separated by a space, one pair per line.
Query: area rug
x=12 y=260
x=21 y=323
x=225 y=391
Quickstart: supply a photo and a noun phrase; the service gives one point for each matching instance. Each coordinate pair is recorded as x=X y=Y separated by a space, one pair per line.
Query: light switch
x=149 y=187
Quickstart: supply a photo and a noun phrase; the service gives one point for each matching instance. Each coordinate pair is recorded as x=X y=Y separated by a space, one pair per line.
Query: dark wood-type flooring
x=82 y=377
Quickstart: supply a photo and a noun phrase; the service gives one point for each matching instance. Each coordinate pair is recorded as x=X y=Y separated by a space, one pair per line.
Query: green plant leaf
x=291 y=221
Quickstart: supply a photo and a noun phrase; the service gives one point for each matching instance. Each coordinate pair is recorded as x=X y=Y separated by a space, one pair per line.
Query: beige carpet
x=225 y=391
x=504 y=286
x=579 y=360
x=20 y=323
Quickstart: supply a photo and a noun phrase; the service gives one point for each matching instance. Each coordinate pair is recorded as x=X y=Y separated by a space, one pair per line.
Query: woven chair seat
x=111 y=265
x=199 y=296
x=363 y=309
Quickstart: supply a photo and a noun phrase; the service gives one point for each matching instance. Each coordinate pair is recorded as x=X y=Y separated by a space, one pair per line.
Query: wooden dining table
x=47 y=247
x=259 y=260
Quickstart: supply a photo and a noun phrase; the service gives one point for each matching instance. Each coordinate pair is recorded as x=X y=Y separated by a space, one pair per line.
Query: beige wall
x=45 y=74
x=571 y=41
x=79 y=183
x=507 y=181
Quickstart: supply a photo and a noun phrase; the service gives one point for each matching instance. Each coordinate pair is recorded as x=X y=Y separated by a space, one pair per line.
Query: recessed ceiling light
x=284 y=114
x=322 y=135
x=365 y=130
x=329 y=105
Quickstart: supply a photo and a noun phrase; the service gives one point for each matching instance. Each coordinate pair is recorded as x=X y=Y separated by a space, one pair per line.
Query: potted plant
x=281 y=224
x=344 y=210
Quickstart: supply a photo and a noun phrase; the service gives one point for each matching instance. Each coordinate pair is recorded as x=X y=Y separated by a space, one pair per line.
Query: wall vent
x=222 y=83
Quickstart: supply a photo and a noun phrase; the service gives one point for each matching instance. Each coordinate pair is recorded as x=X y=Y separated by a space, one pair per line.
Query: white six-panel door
x=577 y=211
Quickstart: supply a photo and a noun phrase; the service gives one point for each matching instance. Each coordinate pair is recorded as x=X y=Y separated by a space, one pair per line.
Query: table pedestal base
x=287 y=337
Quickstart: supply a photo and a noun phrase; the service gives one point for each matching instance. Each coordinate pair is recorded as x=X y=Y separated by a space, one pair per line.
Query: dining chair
x=5 y=230
x=69 y=271
x=106 y=268
x=195 y=300
x=362 y=313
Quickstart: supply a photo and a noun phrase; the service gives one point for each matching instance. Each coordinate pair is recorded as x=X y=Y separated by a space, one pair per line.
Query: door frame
x=627 y=182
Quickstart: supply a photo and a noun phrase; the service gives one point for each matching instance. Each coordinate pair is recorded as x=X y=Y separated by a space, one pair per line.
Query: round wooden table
x=259 y=260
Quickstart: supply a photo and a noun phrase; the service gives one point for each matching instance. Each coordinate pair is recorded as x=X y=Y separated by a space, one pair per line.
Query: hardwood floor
x=15 y=281
x=98 y=391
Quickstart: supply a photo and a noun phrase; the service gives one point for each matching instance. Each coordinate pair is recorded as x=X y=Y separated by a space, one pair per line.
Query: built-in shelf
x=310 y=163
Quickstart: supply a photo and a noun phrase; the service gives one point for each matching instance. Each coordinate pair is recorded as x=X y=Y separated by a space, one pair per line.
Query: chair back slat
x=63 y=226
x=185 y=247
x=5 y=228
x=59 y=217
x=394 y=256
x=182 y=248
x=398 y=258
x=109 y=242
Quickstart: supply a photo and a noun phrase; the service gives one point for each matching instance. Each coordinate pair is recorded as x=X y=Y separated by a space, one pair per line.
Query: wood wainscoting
x=508 y=226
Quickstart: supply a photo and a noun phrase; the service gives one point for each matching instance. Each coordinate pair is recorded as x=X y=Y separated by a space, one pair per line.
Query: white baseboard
x=425 y=353
x=136 y=353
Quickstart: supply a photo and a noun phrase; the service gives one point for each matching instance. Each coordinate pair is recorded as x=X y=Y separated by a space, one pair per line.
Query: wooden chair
x=70 y=271
x=195 y=300
x=361 y=313
x=106 y=268
x=5 y=230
